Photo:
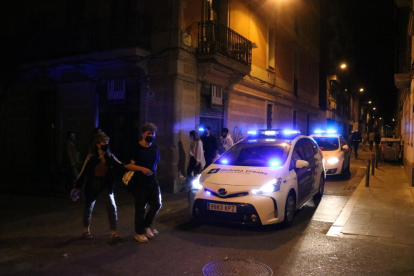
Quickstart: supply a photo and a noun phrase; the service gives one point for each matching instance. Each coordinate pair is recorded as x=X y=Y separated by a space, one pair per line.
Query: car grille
x=245 y=212
x=226 y=196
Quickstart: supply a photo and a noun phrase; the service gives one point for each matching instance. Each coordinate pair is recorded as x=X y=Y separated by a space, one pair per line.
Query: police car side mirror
x=301 y=164
x=345 y=147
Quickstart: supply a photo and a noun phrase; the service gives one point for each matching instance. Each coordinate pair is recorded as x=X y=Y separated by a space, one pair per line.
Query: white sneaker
x=149 y=233
x=141 y=238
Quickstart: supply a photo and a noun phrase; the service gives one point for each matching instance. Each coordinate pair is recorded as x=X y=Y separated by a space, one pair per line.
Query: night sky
x=373 y=24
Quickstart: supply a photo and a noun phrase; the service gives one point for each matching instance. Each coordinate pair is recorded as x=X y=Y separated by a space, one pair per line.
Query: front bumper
x=251 y=209
x=333 y=169
x=246 y=213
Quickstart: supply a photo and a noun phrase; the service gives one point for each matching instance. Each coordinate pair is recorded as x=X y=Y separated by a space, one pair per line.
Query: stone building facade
x=181 y=64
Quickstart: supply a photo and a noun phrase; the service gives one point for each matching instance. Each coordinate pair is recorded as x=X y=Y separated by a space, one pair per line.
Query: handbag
x=127 y=177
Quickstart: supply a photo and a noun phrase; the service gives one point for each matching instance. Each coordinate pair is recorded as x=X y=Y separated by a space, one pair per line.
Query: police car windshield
x=258 y=155
x=327 y=143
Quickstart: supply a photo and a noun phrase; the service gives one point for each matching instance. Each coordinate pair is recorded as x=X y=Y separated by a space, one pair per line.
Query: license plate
x=222 y=207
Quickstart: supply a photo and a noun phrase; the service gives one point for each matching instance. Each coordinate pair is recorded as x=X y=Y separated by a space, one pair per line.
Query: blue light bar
x=270 y=132
x=318 y=131
x=274 y=134
x=331 y=131
x=290 y=132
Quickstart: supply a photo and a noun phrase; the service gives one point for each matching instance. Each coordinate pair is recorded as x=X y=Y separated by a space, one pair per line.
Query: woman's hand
x=146 y=171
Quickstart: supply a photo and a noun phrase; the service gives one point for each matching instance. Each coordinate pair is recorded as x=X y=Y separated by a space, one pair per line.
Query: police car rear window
x=255 y=155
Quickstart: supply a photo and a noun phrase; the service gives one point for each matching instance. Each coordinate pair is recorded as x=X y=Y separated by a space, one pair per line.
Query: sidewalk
x=382 y=212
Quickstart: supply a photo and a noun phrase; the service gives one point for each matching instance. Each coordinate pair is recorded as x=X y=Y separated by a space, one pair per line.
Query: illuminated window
x=272 y=49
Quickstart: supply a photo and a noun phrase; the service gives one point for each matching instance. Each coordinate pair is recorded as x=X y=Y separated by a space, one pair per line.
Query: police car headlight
x=270 y=187
x=333 y=160
x=196 y=183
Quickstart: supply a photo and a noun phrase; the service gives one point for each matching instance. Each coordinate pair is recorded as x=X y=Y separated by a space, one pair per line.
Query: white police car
x=260 y=180
x=335 y=151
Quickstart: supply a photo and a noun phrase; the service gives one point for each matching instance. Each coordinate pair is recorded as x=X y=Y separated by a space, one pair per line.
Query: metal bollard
x=373 y=165
x=367 y=174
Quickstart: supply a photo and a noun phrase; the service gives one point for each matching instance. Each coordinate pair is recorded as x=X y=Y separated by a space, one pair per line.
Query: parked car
x=335 y=151
x=391 y=149
x=262 y=180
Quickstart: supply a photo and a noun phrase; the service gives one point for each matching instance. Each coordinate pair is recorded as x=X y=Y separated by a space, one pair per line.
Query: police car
x=262 y=179
x=335 y=151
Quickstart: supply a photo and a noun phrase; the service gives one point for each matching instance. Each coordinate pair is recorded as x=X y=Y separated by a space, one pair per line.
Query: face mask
x=105 y=147
x=149 y=139
x=224 y=135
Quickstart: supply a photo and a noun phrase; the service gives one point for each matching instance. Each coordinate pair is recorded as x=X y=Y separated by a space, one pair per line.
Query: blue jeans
x=92 y=192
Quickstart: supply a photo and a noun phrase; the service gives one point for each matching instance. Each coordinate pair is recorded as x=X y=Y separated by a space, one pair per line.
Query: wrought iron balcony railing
x=217 y=38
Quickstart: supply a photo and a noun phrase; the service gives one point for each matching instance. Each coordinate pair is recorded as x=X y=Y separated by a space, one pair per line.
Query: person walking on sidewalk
x=371 y=136
x=144 y=184
x=225 y=140
x=70 y=162
x=356 y=139
x=364 y=141
x=210 y=146
x=97 y=177
x=377 y=140
x=197 y=161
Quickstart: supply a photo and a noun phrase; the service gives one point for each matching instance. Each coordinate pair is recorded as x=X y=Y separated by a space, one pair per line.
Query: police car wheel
x=321 y=188
x=289 y=209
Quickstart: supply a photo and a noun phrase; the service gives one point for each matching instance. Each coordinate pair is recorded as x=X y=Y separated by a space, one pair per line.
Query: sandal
x=86 y=235
x=115 y=237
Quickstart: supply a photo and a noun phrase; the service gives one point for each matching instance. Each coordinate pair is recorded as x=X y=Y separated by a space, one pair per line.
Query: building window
x=116 y=90
x=216 y=96
x=272 y=49
x=269 y=116
x=295 y=72
x=294 y=119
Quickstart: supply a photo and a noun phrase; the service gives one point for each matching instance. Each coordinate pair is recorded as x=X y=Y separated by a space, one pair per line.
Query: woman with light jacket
x=197 y=161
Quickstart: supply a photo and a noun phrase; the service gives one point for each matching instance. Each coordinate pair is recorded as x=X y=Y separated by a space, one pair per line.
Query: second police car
x=335 y=151
x=263 y=180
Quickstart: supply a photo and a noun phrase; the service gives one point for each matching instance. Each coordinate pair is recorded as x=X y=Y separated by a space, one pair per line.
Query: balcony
x=221 y=45
x=103 y=35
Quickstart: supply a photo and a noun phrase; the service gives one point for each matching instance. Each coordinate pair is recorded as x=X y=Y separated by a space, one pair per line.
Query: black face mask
x=149 y=139
x=105 y=147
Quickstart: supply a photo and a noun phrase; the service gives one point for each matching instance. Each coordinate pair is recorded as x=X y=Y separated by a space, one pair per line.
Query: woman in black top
x=97 y=176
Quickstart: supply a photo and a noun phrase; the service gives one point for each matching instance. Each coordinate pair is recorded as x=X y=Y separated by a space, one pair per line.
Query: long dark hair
x=195 y=135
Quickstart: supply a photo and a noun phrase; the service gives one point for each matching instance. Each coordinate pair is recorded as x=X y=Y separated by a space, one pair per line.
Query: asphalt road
x=40 y=236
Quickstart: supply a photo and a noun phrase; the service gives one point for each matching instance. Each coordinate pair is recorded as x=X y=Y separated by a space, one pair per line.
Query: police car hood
x=238 y=175
x=331 y=153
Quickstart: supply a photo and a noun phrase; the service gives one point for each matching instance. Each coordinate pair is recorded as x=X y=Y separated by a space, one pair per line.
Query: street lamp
x=343 y=66
x=361 y=90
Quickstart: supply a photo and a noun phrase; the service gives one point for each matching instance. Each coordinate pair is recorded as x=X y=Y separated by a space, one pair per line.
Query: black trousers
x=192 y=169
x=371 y=145
x=148 y=195
x=356 y=144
